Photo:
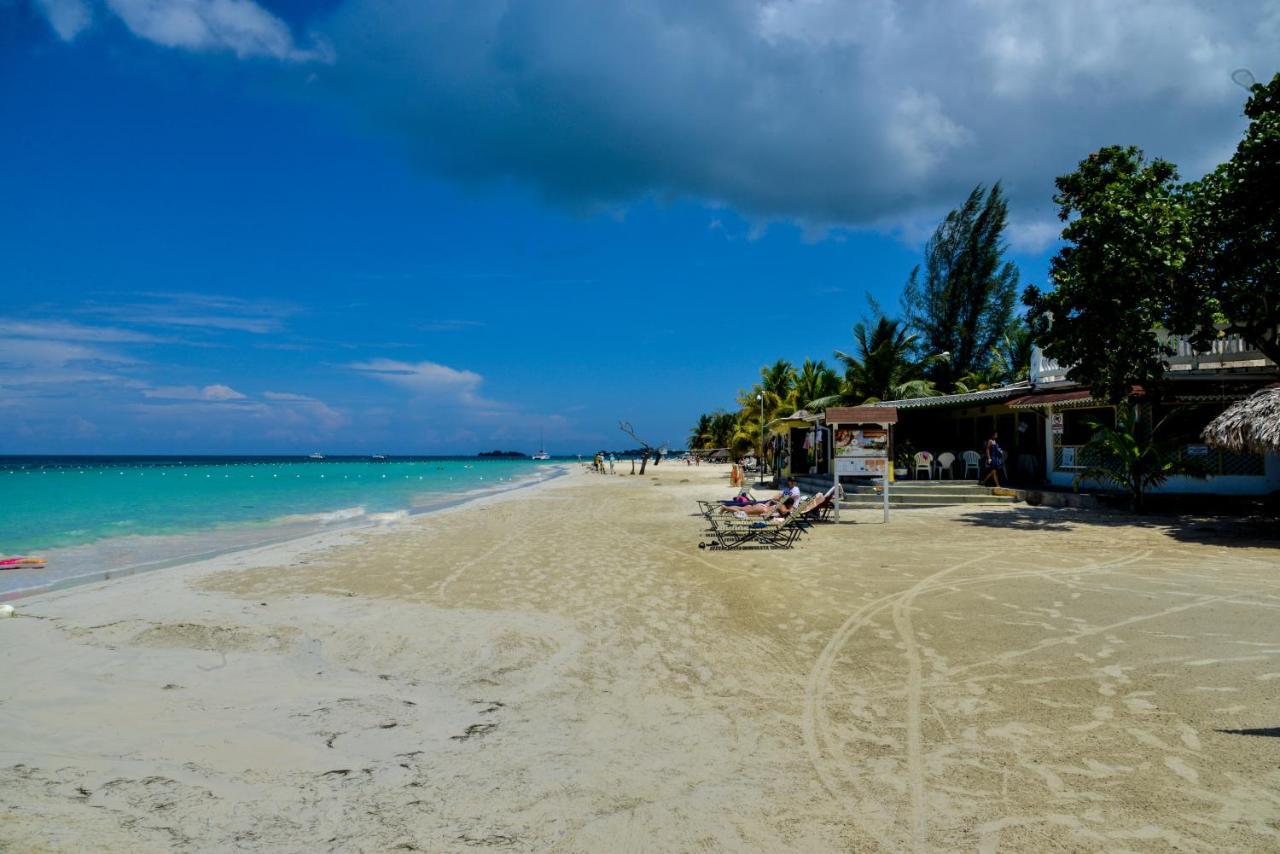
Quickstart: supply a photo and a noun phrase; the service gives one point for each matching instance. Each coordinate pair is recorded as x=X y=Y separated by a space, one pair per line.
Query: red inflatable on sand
x=22 y=562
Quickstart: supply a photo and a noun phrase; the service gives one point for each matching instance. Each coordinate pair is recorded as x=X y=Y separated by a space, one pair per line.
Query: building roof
x=987 y=395
x=1044 y=398
x=1252 y=424
x=1184 y=391
x=880 y=413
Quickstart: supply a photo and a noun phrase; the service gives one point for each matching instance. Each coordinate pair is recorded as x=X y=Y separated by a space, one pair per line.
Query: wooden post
x=831 y=461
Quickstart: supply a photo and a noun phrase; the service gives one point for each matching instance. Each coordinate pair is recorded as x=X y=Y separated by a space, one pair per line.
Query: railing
x=1230 y=351
x=1045 y=370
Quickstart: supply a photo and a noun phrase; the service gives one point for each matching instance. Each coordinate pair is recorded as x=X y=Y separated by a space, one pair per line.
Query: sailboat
x=542 y=448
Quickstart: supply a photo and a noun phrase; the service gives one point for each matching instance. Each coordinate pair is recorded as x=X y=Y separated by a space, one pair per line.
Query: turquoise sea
x=106 y=512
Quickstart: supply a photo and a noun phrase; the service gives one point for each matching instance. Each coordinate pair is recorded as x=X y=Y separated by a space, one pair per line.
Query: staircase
x=909 y=493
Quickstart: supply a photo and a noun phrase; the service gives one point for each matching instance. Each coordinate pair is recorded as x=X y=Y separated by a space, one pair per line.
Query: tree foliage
x=883 y=366
x=961 y=300
x=1235 y=261
x=1148 y=258
x=1128 y=233
x=814 y=381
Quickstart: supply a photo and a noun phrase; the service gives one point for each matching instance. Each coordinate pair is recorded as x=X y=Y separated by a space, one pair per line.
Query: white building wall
x=1181 y=485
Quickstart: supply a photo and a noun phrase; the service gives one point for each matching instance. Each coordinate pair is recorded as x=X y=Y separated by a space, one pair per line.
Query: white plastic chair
x=924 y=460
x=972 y=461
x=945 y=461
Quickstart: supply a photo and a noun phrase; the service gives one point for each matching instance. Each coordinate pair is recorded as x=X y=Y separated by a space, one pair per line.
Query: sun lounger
x=727 y=531
x=823 y=505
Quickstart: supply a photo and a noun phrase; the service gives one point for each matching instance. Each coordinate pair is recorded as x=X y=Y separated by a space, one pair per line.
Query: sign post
x=860 y=444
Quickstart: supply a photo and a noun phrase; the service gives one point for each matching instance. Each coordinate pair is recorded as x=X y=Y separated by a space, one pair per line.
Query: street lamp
x=760 y=397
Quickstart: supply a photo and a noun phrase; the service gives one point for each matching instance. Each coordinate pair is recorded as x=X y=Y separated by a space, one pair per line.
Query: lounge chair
x=823 y=504
x=728 y=532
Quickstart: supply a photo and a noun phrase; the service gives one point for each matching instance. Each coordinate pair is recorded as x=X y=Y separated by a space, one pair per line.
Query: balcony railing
x=1228 y=352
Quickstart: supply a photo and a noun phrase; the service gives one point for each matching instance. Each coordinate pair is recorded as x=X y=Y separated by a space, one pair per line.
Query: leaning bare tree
x=645 y=448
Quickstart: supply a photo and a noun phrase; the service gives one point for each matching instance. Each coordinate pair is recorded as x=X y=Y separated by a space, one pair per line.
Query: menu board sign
x=861 y=449
x=861 y=466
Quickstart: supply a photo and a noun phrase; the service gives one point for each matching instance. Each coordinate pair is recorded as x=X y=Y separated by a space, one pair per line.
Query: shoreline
x=375 y=522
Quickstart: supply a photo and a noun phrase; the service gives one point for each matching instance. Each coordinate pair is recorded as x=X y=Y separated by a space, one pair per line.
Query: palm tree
x=723 y=426
x=884 y=366
x=700 y=435
x=778 y=378
x=1012 y=355
x=814 y=382
x=1131 y=457
x=1008 y=362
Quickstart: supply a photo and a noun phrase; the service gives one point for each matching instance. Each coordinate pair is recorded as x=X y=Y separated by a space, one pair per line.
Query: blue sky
x=356 y=227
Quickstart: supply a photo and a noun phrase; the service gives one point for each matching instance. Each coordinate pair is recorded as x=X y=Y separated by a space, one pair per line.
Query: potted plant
x=903 y=455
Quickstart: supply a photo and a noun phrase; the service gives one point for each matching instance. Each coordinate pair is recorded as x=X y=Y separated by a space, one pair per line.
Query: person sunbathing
x=790 y=494
x=779 y=506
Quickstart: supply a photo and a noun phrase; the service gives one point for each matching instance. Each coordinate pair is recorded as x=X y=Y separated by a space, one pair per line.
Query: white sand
x=561 y=668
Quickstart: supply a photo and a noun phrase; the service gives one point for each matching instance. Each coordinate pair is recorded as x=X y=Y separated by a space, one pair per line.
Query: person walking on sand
x=994 y=458
x=613 y=461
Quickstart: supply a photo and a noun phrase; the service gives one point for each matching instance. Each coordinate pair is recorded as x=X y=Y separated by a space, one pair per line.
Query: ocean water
x=56 y=503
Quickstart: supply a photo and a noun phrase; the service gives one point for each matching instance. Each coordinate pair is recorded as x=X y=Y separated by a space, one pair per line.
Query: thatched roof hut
x=1251 y=425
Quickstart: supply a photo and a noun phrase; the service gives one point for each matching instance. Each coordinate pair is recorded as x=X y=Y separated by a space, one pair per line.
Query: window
x=1075 y=426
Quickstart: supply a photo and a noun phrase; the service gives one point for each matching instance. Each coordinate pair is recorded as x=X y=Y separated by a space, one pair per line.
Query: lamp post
x=760 y=397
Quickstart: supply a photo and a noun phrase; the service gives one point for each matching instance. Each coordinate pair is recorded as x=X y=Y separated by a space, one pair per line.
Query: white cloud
x=67 y=17
x=195 y=311
x=34 y=361
x=1033 y=235
x=241 y=27
x=190 y=392
x=424 y=379
x=57 y=330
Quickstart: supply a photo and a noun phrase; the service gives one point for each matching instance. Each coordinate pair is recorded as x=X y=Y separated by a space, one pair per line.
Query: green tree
x=1132 y=457
x=1012 y=356
x=1235 y=262
x=1128 y=233
x=814 y=381
x=962 y=299
x=700 y=435
x=884 y=366
x=778 y=379
x=723 y=426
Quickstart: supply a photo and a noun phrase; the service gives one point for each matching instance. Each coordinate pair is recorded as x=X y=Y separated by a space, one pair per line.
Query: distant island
x=512 y=454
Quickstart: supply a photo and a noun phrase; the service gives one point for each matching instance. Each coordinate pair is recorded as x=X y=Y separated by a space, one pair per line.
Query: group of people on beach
x=601 y=461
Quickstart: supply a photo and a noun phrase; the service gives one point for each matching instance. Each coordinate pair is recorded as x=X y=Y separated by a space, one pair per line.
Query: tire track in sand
x=823 y=745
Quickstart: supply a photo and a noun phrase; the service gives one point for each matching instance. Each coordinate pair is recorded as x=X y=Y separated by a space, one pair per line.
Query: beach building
x=797 y=446
x=1043 y=422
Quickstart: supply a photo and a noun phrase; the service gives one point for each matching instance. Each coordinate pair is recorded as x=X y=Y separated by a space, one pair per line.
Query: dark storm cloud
x=823 y=112
x=828 y=112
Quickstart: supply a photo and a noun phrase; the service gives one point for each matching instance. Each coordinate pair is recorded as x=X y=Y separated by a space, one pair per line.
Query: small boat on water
x=378 y=457
x=316 y=456
x=542 y=449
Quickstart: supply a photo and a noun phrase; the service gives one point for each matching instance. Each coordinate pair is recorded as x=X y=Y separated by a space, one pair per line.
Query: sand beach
x=560 y=668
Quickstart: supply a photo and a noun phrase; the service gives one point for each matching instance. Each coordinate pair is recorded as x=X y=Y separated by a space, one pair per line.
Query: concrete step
x=910 y=487
x=920 y=499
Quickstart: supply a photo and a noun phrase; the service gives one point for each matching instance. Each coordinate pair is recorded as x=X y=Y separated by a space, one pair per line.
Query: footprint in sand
x=1182 y=769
